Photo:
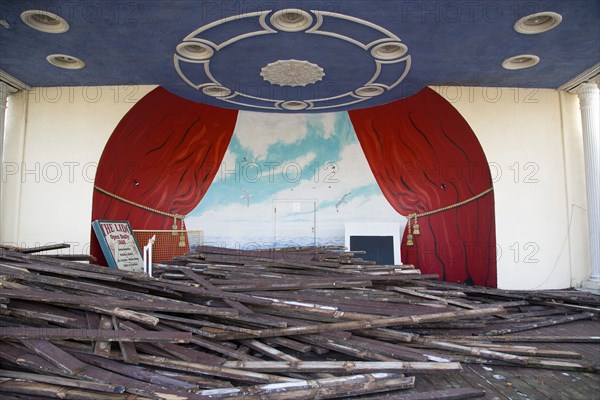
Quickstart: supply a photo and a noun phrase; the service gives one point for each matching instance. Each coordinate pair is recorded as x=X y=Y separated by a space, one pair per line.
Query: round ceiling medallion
x=294 y=105
x=216 y=91
x=195 y=50
x=538 y=22
x=291 y=20
x=389 y=50
x=44 y=21
x=521 y=61
x=65 y=61
x=292 y=73
x=369 y=91
x=203 y=52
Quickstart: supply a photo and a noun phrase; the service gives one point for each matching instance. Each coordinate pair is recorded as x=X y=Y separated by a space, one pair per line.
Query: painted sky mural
x=290 y=179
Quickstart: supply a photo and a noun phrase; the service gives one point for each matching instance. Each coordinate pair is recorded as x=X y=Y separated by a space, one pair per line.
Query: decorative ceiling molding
x=12 y=81
x=590 y=75
x=292 y=73
x=192 y=58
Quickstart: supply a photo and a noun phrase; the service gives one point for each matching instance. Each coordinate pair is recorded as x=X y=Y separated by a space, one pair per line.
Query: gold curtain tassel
x=416 y=230
x=409 y=240
x=174 y=227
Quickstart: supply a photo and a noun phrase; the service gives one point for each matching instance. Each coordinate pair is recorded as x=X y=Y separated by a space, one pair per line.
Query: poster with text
x=119 y=245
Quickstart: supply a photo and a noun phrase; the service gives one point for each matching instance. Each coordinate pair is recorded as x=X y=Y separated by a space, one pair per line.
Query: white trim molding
x=589 y=75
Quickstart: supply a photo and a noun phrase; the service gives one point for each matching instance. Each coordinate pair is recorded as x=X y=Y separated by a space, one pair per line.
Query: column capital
x=589 y=94
x=587 y=86
x=5 y=90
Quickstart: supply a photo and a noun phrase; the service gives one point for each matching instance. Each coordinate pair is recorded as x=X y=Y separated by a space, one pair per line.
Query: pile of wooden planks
x=304 y=323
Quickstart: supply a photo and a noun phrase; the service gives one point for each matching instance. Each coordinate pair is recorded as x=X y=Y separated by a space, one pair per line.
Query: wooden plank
x=536 y=325
x=522 y=339
x=57 y=246
x=365 y=324
x=182 y=353
x=212 y=370
x=326 y=388
x=139 y=373
x=102 y=347
x=446 y=394
x=31 y=390
x=128 y=350
x=56 y=356
x=75 y=300
x=345 y=367
x=25 y=333
x=56 y=380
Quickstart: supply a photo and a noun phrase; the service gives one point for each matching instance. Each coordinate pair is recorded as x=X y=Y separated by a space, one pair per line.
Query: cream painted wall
x=54 y=139
x=532 y=139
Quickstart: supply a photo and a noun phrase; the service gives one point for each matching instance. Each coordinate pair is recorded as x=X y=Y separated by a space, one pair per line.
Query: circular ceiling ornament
x=389 y=50
x=65 y=61
x=369 y=91
x=291 y=20
x=216 y=91
x=292 y=73
x=44 y=21
x=195 y=50
x=538 y=22
x=294 y=105
x=521 y=61
x=199 y=65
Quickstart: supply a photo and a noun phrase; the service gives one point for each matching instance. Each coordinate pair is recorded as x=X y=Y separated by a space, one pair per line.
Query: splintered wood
x=303 y=323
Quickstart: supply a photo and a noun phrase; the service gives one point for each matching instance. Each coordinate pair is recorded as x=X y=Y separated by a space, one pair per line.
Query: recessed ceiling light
x=65 y=61
x=216 y=91
x=520 y=61
x=538 y=22
x=44 y=21
x=294 y=105
x=389 y=50
x=369 y=91
x=291 y=20
x=195 y=50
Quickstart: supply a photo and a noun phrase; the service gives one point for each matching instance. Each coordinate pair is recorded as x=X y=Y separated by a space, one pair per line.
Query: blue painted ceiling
x=449 y=43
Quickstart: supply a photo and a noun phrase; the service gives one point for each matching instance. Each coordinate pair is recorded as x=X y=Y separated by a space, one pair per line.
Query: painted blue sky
x=309 y=167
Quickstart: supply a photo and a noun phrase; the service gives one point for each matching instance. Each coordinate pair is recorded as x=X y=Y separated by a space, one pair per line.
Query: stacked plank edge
x=301 y=323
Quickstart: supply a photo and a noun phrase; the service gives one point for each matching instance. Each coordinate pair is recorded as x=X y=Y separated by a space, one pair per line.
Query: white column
x=5 y=90
x=589 y=102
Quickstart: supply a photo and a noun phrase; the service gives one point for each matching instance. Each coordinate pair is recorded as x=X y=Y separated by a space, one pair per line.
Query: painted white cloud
x=294 y=169
x=258 y=131
x=326 y=122
x=353 y=166
x=332 y=181
x=228 y=165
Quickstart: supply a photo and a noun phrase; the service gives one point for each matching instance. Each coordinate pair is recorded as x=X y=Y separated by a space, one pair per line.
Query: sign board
x=119 y=245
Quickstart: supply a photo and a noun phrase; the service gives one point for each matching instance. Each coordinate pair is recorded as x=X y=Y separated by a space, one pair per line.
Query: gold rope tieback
x=153 y=210
x=413 y=219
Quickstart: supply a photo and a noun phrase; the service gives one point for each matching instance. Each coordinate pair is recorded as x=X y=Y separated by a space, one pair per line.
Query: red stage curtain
x=425 y=157
x=164 y=154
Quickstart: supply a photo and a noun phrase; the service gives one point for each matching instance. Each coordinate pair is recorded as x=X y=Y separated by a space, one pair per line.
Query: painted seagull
x=246 y=196
x=341 y=201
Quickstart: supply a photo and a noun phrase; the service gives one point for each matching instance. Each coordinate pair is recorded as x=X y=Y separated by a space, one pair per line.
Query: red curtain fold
x=163 y=155
x=425 y=157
